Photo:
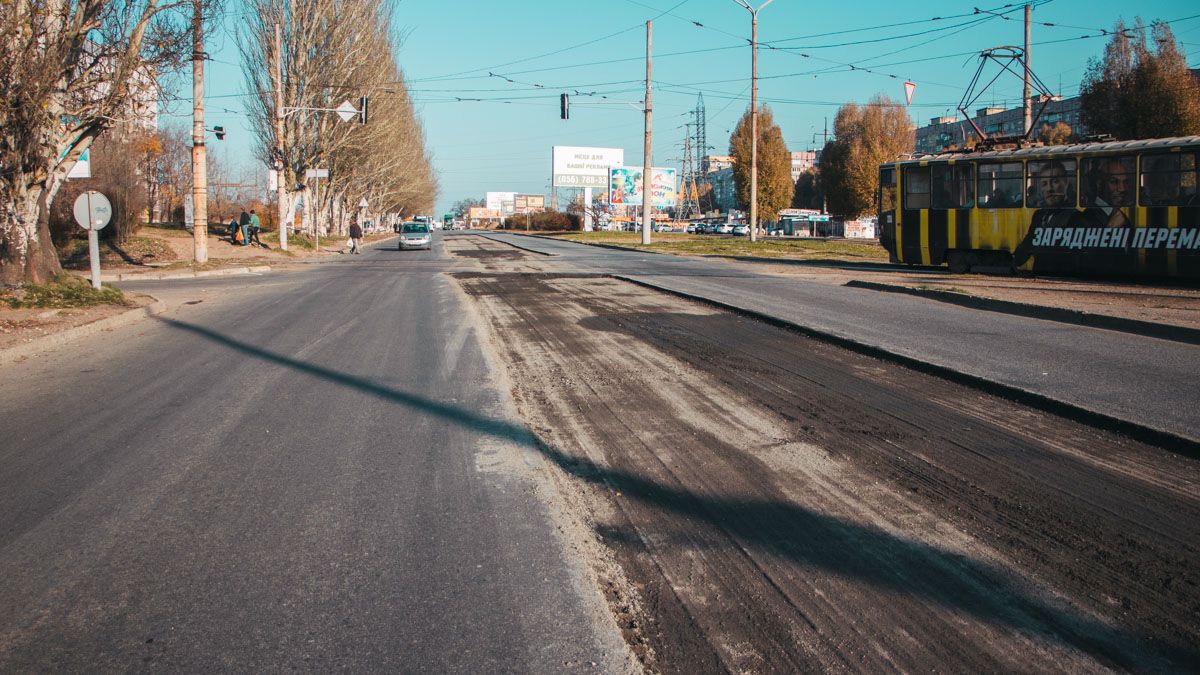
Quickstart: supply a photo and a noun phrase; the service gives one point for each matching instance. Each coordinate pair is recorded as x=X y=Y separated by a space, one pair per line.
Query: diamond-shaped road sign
x=347 y=111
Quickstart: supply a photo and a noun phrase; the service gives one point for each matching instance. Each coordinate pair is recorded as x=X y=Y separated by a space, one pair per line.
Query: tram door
x=887 y=209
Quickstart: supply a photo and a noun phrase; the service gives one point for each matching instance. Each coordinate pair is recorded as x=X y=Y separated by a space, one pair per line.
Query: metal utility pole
x=646 y=183
x=1027 y=100
x=753 y=114
x=199 y=156
x=280 y=188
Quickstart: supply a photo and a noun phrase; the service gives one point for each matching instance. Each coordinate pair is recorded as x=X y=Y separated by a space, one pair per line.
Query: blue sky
x=503 y=142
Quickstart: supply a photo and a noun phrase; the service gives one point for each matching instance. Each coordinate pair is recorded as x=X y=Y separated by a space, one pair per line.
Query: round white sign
x=92 y=210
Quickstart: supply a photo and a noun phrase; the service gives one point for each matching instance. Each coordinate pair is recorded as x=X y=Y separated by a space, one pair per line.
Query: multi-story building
x=944 y=133
x=803 y=161
x=714 y=163
x=724 y=192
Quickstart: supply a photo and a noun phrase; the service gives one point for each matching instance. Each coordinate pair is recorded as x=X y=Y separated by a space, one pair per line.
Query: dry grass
x=700 y=244
x=63 y=291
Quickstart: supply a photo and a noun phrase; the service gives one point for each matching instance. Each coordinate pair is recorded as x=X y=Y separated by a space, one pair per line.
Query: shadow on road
x=798 y=534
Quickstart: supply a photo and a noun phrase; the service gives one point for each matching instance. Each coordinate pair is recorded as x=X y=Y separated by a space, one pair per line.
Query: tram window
x=1169 y=180
x=887 y=190
x=953 y=187
x=1001 y=186
x=916 y=187
x=1052 y=184
x=1108 y=181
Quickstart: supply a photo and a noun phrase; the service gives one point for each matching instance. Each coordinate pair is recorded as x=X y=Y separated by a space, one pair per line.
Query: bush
x=64 y=290
x=546 y=221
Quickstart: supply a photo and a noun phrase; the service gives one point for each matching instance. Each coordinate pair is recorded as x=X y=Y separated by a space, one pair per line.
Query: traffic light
x=362 y=109
x=565 y=107
x=220 y=132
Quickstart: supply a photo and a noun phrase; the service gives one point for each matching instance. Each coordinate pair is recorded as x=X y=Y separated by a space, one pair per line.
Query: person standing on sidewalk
x=255 y=226
x=356 y=235
x=244 y=223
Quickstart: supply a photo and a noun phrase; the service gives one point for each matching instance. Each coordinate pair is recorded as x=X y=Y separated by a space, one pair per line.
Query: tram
x=1125 y=208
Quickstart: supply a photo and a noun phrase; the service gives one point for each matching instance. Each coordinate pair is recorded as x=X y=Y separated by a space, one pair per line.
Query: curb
x=53 y=340
x=231 y=271
x=523 y=248
x=1072 y=316
x=1170 y=441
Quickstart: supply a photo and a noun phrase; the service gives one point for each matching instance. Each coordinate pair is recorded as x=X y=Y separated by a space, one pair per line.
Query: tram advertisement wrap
x=1112 y=238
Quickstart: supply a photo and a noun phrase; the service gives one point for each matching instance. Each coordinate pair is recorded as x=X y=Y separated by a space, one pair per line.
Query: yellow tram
x=1127 y=208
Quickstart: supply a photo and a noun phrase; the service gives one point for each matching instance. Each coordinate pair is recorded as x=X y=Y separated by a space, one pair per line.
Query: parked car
x=725 y=228
x=415 y=235
x=741 y=230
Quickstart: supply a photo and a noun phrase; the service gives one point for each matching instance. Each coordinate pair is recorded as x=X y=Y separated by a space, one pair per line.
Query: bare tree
x=68 y=71
x=334 y=51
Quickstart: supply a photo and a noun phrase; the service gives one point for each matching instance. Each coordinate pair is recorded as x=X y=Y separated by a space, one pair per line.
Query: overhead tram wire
x=865 y=66
x=557 y=51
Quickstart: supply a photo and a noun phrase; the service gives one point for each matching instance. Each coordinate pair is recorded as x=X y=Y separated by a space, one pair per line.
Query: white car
x=725 y=228
x=741 y=230
x=415 y=235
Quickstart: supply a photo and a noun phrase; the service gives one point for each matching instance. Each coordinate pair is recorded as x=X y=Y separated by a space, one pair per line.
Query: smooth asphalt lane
x=315 y=470
x=1142 y=380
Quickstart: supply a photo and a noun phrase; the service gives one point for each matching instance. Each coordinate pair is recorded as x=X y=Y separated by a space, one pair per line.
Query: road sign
x=347 y=111
x=92 y=210
x=316 y=173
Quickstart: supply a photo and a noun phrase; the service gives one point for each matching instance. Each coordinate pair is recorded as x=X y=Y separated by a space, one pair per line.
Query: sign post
x=93 y=211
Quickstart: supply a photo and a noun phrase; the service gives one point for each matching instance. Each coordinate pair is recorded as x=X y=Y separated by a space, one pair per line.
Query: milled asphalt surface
x=1144 y=381
x=316 y=470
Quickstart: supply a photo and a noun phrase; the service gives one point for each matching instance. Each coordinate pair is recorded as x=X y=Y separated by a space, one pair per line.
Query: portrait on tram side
x=1109 y=191
x=1052 y=191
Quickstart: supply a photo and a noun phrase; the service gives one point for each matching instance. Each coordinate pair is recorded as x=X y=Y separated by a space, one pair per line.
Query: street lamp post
x=753 y=113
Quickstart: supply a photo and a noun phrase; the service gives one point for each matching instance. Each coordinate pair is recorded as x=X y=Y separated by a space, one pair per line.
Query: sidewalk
x=27 y=332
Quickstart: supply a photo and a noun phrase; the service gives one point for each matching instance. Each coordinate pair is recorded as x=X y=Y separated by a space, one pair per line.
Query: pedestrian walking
x=356 y=235
x=244 y=223
x=255 y=226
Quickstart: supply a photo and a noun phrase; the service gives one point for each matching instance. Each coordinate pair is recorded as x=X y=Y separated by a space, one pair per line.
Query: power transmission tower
x=701 y=141
x=687 y=205
x=700 y=147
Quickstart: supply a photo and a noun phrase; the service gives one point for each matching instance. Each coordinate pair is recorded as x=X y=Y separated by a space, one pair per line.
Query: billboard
x=585 y=167
x=523 y=203
x=626 y=186
x=501 y=202
x=479 y=213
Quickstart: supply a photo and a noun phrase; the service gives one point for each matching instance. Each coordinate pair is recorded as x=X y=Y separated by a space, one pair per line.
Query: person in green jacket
x=255 y=226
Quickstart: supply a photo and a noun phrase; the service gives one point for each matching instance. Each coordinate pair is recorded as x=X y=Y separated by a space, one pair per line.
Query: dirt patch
x=139 y=251
x=19 y=326
x=779 y=504
x=495 y=255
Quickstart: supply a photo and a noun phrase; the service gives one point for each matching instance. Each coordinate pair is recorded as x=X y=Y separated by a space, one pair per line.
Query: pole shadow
x=796 y=534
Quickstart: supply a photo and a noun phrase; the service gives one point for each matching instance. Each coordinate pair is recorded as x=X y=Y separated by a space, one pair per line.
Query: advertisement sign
x=83 y=167
x=480 y=213
x=496 y=201
x=584 y=167
x=500 y=201
x=626 y=186
x=523 y=203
